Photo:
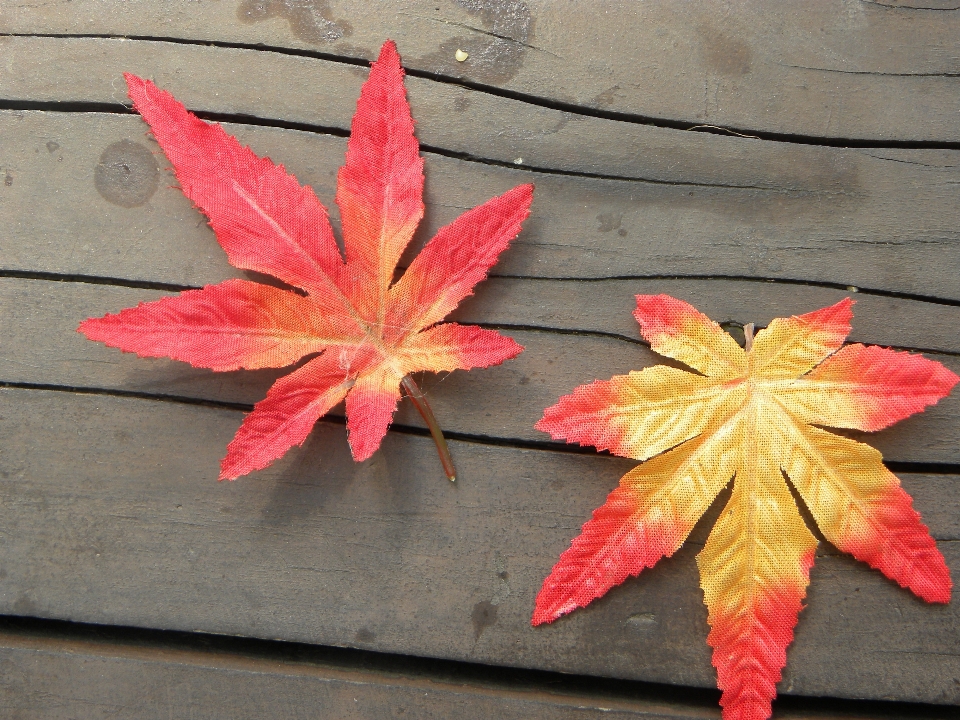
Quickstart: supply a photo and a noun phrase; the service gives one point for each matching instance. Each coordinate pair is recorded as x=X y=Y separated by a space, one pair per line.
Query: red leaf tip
x=138 y=86
x=661 y=314
x=84 y=326
x=389 y=58
x=547 y=609
x=97 y=328
x=544 y=617
x=389 y=50
x=836 y=316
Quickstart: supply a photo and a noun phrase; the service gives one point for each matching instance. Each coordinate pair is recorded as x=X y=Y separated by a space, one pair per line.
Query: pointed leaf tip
x=840 y=313
x=678 y=330
x=86 y=327
x=387 y=69
x=457 y=258
x=546 y=615
x=138 y=90
x=389 y=53
x=867 y=387
x=833 y=320
x=132 y=79
x=370 y=407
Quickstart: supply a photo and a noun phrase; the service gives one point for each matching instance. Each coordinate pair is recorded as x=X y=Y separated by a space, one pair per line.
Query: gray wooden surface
x=824 y=70
x=90 y=679
x=110 y=509
x=92 y=675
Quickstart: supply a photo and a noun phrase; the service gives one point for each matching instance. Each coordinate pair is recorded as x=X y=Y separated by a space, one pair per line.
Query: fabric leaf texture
x=357 y=332
x=753 y=415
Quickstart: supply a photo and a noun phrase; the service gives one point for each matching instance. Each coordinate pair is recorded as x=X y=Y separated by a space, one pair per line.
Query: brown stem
x=419 y=401
x=748 y=337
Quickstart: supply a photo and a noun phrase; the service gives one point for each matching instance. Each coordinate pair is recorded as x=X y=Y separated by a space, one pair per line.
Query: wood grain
x=45 y=678
x=895 y=228
x=112 y=515
x=92 y=674
x=768 y=67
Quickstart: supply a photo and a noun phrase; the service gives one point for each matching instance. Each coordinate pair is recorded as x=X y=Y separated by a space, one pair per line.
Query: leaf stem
x=423 y=407
x=748 y=337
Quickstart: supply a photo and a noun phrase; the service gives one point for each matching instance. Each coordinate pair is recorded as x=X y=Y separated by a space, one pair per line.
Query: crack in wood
x=505 y=327
x=924 y=468
x=173 y=287
x=334 y=131
x=553 y=104
x=198 y=649
x=868 y=72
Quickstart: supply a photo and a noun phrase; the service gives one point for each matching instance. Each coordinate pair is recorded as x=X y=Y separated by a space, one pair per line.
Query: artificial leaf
x=751 y=415
x=362 y=334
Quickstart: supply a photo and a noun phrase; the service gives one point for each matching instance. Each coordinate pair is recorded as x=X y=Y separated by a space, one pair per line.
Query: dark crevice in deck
x=513 y=327
x=175 y=287
x=898 y=7
x=411 y=668
x=921 y=468
x=518 y=444
x=333 y=131
x=257 y=121
x=517 y=327
x=138 y=395
x=875 y=73
x=726 y=325
x=847 y=287
x=548 y=103
x=96 y=280
x=285 y=657
x=113 y=640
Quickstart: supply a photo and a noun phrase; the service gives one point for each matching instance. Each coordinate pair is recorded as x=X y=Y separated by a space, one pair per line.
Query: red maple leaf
x=366 y=333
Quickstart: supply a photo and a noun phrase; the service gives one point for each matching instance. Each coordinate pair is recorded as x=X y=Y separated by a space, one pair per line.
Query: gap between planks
x=877 y=292
x=534 y=100
x=897 y=466
x=428 y=676
x=249 y=120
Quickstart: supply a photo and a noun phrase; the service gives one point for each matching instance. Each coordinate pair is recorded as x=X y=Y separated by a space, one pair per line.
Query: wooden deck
x=380 y=590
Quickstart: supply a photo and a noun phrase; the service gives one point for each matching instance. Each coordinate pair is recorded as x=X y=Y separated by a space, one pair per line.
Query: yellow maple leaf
x=753 y=415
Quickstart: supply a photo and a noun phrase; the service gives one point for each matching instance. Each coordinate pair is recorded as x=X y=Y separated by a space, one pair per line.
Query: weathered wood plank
x=47 y=678
x=104 y=522
x=896 y=227
x=761 y=66
x=323 y=93
x=41 y=346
